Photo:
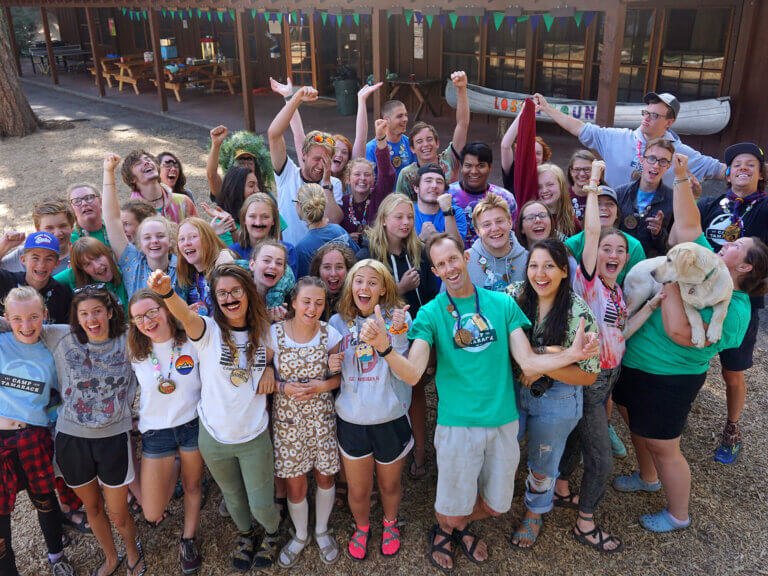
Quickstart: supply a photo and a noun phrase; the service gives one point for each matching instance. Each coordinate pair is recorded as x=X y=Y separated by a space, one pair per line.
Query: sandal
x=329 y=553
x=417 y=471
x=341 y=493
x=133 y=505
x=130 y=569
x=119 y=563
x=441 y=547
x=292 y=558
x=82 y=526
x=528 y=534
x=469 y=552
x=583 y=538
x=359 y=540
x=565 y=501
x=158 y=523
x=267 y=553
x=390 y=538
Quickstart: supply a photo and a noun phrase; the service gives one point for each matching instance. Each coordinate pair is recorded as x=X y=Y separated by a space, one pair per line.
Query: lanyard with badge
x=463 y=337
x=734 y=230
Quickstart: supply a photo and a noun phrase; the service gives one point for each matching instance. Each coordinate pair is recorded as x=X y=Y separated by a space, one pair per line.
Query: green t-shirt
x=475 y=385
x=636 y=253
x=652 y=351
x=67 y=277
x=100 y=234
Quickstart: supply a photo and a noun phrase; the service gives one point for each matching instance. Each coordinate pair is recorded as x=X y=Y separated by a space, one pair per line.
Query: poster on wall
x=112 y=27
x=418 y=40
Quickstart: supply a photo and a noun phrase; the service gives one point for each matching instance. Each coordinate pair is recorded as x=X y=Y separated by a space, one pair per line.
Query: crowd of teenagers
x=292 y=329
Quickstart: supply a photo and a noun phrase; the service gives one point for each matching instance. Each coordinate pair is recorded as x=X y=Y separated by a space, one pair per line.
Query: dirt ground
x=728 y=505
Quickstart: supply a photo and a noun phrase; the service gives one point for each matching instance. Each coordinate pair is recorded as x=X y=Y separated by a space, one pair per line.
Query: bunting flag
x=356 y=18
x=453 y=18
x=199 y=13
x=220 y=16
x=419 y=17
x=324 y=16
x=477 y=20
x=429 y=18
x=588 y=17
x=577 y=16
x=348 y=19
x=210 y=16
x=548 y=21
x=523 y=18
x=535 y=20
x=253 y=13
x=512 y=21
x=441 y=19
x=279 y=17
x=163 y=12
x=232 y=15
x=498 y=19
x=408 y=16
x=463 y=20
x=124 y=11
x=339 y=20
x=365 y=18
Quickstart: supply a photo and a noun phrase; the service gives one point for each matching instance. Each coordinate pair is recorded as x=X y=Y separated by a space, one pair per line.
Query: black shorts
x=740 y=359
x=657 y=405
x=82 y=460
x=387 y=442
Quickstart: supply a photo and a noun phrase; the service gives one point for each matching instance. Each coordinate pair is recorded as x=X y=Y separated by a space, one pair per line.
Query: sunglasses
x=90 y=288
x=319 y=138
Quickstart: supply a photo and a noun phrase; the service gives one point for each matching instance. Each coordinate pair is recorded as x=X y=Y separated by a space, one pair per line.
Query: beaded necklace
x=164 y=383
x=358 y=224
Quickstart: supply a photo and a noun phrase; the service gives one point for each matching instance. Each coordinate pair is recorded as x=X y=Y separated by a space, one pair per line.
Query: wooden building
x=604 y=50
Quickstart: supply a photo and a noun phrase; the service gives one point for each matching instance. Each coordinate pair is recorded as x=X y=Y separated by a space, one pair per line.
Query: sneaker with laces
x=245 y=550
x=189 y=556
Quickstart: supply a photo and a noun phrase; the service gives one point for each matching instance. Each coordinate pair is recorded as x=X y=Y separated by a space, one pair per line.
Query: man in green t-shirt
x=473 y=331
x=85 y=200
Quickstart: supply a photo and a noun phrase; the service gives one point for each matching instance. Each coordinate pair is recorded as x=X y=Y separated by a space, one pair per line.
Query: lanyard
x=463 y=337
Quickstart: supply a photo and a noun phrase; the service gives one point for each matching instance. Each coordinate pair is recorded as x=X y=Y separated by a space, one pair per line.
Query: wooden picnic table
x=207 y=73
x=420 y=88
x=133 y=71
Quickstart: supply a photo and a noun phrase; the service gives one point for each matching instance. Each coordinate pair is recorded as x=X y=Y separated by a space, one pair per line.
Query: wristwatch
x=449 y=212
x=327 y=187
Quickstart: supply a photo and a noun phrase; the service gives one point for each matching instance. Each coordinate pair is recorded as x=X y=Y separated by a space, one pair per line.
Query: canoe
x=698 y=117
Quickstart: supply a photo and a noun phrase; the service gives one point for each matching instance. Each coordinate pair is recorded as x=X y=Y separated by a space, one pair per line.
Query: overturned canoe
x=697 y=117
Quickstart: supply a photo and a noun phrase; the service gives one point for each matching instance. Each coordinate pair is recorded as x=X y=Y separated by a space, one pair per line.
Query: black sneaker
x=268 y=551
x=189 y=556
x=245 y=544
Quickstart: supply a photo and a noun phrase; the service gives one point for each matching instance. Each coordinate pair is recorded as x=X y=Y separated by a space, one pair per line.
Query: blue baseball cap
x=43 y=240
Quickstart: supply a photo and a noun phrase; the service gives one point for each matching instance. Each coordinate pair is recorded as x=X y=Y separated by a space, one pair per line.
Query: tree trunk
x=16 y=116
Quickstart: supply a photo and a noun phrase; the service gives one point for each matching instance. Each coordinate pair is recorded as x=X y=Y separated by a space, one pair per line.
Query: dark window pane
x=462 y=39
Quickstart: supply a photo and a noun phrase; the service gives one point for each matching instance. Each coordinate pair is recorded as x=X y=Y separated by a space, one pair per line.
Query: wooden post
x=12 y=38
x=379 y=36
x=49 y=46
x=245 y=70
x=608 y=84
x=154 y=32
x=529 y=73
x=95 y=50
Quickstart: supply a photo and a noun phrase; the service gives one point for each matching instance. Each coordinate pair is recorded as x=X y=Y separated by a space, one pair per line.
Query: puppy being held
x=703 y=279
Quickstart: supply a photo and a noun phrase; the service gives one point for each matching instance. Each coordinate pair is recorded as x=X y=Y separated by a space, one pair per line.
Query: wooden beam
x=378 y=39
x=12 y=38
x=608 y=84
x=95 y=50
x=49 y=46
x=245 y=69
x=313 y=42
x=154 y=32
x=654 y=56
x=287 y=44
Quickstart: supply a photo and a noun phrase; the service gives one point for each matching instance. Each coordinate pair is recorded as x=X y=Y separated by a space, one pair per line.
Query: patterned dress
x=304 y=432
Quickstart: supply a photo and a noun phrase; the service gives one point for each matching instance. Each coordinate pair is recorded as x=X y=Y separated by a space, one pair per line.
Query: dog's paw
x=714 y=333
x=698 y=338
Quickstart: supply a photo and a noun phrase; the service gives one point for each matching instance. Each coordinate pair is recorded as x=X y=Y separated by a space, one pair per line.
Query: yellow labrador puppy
x=704 y=282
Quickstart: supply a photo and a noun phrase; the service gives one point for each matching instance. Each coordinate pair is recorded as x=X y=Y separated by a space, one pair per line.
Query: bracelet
x=681 y=180
x=541 y=350
x=168 y=295
x=386 y=352
x=382 y=138
x=327 y=187
x=402 y=330
x=281 y=387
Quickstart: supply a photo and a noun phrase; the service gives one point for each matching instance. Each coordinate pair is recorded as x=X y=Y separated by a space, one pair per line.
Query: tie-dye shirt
x=610 y=309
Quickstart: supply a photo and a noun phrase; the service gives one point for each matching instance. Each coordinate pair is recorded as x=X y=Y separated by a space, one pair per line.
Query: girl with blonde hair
x=553 y=192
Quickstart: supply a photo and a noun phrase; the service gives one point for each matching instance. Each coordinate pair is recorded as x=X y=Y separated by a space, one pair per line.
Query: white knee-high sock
x=324 y=500
x=299 y=513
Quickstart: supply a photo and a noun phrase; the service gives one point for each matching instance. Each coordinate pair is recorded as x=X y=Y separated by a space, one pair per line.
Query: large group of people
x=290 y=328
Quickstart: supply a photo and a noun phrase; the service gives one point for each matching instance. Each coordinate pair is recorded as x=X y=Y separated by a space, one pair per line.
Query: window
x=300 y=53
x=461 y=49
x=560 y=59
x=505 y=57
x=693 y=52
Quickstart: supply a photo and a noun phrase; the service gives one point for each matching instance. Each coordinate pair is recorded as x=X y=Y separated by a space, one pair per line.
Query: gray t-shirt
x=12 y=262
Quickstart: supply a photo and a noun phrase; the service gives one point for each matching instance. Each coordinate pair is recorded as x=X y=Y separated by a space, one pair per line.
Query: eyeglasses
x=653 y=160
x=170 y=163
x=223 y=295
x=150 y=314
x=537 y=216
x=651 y=115
x=87 y=199
x=319 y=138
x=90 y=288
x=581 y=170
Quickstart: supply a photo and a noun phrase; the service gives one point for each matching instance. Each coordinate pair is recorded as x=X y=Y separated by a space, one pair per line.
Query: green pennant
x=163 y=12
x=389 y=15
x=498 y=19
x=220 y=16
x=279 y=17
x=232 y=15
x=453 y=18
x=477 y=20
x=173 y=14
x=253 y=13
x=578 y=16
x=548 y=20
x=408 y=16
x=124 y=11
x=429 y=18
x=199 y=13
x=339 y=20
x=294 y=17
x=356 y=18
x=324 y=17
x=523 y=18
x=210 y=17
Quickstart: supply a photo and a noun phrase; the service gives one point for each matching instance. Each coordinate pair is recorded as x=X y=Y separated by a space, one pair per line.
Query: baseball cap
x=430 y=168
x=241 y=153
x=43 y=240
x=743 y=148
x=667 y=98
x=607 y=191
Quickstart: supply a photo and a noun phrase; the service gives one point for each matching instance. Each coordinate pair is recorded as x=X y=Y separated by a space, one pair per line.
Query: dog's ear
x=683 y=258
x=705 y=261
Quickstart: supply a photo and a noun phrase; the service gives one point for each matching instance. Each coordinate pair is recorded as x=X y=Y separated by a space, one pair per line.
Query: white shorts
x=474 y=461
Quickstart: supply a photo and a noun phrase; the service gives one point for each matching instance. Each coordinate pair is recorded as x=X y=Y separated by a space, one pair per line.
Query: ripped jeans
x=548 y=420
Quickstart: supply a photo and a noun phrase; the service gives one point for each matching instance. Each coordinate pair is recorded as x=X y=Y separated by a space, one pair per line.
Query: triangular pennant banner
x=441 y=19
x=124 y=11
x=173 y=15
x=588 y=17
x=280 y=17
x=429 y=18
x=253 y=13
x=356 y=18
x=220 y=16
x=453 y=18
x=498 y=19
x=419 y=17
x=408 y=16
x=232 y=15
x=548 y=21
x=163 y=12
x=324 y=16
x=523 y=18
x=348 y=19
x=199 y=13
x=463 y=20
x=578 y=16
x=339 y=20
x=535 y=18
x=477 y=20
x=365 y=18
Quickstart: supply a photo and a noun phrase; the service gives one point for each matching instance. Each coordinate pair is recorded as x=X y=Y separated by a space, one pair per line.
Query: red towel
x=526 y=176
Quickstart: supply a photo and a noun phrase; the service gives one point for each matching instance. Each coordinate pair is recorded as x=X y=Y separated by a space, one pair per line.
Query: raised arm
x=459 y=80
x=567 y=123
x=333 y=211
x=361 y=123
x=218 y=135
x=584 y=346
x=508 y=144
x=297 y=126
x=592 y=219
x=386 y=177
x=110 y=209
x=687 y=225
x=193 y=324
x=276 y=131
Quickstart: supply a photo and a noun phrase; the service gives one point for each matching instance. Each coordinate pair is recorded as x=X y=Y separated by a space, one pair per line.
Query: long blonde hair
x=346 y=306
x=211 y=246
x=564 y=216
x=378 y=244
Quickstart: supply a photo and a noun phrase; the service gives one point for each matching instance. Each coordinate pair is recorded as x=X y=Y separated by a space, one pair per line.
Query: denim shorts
x=166 y=442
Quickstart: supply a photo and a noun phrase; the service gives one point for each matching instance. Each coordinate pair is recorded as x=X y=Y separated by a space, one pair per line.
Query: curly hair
x=133 y=158
x=343 y=249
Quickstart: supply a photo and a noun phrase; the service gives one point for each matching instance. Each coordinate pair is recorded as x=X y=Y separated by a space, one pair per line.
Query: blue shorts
x=166 y=442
